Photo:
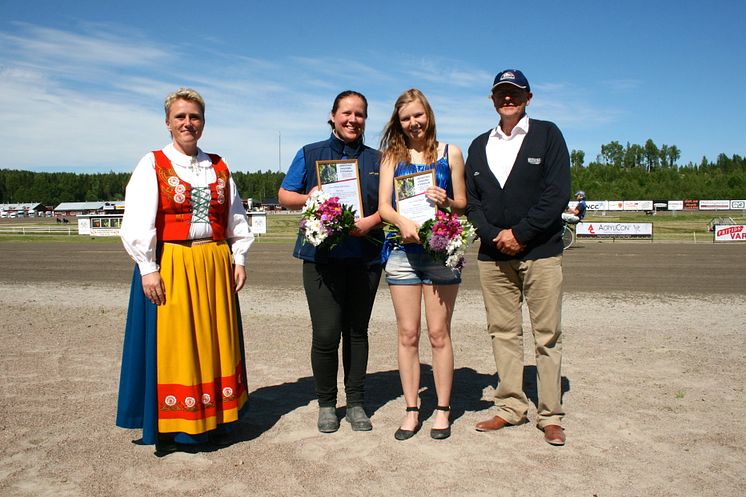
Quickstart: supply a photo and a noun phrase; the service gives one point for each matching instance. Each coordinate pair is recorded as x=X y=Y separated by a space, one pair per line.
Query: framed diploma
x=341 y=178
x=411 y=201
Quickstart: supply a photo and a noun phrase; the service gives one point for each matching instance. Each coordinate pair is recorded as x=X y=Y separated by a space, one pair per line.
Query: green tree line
x=619 y=172
x=53 y=188
x=649 y=172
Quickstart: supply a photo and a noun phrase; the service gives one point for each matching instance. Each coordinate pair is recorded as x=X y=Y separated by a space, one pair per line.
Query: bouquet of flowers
x=446 y=239
x=325 y=221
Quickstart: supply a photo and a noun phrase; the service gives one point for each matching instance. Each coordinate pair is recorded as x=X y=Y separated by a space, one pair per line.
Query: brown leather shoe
x=492 y=424
x=554 y=435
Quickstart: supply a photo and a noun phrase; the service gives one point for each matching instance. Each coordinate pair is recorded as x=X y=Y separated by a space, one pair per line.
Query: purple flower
x=438 y=242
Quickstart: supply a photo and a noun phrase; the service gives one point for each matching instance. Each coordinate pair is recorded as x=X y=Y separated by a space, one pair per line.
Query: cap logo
x=507 y=75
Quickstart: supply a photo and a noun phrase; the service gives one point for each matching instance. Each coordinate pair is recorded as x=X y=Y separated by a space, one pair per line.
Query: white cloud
x=91 y=100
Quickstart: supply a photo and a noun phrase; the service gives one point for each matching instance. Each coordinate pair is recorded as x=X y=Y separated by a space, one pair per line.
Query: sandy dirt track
x=653 y=381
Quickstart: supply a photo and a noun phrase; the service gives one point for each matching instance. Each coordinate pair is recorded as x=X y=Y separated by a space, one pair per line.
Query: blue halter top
x=442 y=180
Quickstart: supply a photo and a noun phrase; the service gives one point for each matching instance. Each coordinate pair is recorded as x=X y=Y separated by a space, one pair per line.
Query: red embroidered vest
x=175 y=200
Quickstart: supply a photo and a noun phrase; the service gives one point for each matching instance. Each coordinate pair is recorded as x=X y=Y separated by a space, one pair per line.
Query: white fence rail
x=38 y=230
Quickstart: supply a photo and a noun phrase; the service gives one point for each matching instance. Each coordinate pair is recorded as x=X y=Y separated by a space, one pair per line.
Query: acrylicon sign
x=615 y=230
x=730 y=232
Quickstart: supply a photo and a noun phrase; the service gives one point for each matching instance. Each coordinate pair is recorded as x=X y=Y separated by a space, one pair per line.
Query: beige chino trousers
x=505 y=284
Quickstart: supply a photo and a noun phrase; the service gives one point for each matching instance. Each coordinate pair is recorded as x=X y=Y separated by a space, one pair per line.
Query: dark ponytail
x=345 y=94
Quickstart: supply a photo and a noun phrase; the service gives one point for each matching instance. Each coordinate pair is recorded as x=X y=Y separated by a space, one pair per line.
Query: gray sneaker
x=328 y=421
x=358 y=419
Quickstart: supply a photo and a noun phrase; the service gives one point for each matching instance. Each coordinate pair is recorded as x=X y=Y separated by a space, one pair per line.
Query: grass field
x=281 y=228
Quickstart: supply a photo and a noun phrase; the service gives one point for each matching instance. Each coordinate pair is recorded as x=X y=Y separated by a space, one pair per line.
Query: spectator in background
x=574 y=215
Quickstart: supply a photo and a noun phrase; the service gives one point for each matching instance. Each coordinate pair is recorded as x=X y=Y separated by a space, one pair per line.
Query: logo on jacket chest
x=534 y=160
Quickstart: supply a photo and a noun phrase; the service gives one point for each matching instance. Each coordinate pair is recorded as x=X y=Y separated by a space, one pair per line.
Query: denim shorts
x=413 y=268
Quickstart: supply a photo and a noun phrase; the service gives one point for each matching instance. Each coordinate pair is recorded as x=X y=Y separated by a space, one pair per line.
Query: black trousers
x=340 y=299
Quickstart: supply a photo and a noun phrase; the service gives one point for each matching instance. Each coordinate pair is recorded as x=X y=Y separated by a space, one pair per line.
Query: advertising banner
x=84 y=226
x=614 y=230
x=730 y=233
x=616 y=205
x=691 y=204
x=258 y=222
x=638 y=205
x=736 y=205
x=675 y=205
x=714 y=205
x=104 y=232
x=597 y=205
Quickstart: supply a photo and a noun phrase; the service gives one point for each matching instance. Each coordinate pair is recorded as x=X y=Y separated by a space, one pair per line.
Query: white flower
x=454 y=244
x=189 y=402
x=227 y=392
x=206 y=398
x=173 y=180
x=453 y=261
x=170 y=400
x=179 y=198
x=314 y=201
x=314 y=232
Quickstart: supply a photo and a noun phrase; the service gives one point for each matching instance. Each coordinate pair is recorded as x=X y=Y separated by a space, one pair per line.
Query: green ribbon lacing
x=200 y=204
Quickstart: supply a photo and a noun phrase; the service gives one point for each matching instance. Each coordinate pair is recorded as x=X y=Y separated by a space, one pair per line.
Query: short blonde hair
x=184 y=94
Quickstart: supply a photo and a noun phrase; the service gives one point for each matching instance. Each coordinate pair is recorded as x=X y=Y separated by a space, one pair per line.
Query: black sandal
x=441 y=433
x=407 y=434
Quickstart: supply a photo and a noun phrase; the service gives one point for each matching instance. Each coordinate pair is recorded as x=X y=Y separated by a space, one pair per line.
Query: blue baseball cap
x=513 y=77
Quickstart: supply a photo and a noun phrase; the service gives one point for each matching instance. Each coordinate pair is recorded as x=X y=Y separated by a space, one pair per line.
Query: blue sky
x=82 y=83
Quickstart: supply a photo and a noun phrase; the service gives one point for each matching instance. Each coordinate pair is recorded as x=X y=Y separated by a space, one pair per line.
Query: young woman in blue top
x=409 y=145
x=340 y=283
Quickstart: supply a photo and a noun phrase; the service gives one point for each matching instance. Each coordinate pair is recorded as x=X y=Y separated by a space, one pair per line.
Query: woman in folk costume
x=183 y=374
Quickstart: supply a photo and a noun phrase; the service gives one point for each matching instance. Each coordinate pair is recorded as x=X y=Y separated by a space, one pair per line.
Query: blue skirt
x=137 y=407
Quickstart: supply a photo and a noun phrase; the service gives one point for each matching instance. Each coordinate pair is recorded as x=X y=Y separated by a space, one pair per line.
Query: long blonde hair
x=394 y=145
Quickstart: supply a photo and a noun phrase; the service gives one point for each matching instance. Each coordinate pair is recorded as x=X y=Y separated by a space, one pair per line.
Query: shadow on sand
x=267 y=405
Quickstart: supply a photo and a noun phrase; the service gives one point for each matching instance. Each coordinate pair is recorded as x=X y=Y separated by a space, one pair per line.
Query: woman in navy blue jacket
x=340 y=283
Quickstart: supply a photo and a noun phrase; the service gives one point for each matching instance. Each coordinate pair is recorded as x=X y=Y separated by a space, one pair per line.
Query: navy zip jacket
x=361 y=249
x=533 y=199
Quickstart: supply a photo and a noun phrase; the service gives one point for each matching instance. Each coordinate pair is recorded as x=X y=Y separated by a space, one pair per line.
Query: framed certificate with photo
x=341 y=178
x=411 y=201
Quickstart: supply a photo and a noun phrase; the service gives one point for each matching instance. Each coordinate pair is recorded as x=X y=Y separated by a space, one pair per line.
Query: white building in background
x=77 y=208
x=99 y=206
x=16 y=210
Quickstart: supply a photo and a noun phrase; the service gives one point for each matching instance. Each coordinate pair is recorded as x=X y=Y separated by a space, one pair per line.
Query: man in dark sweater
x=518 y=184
